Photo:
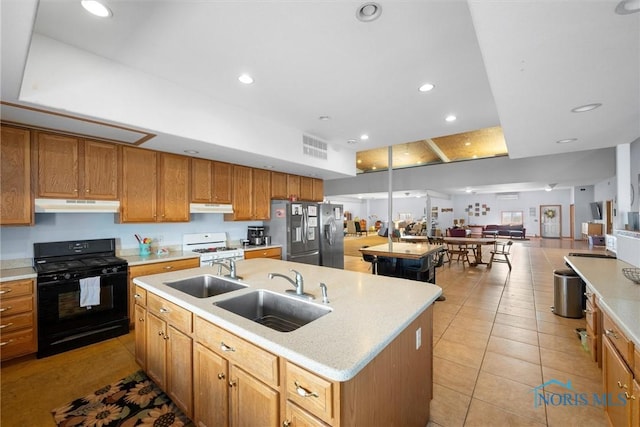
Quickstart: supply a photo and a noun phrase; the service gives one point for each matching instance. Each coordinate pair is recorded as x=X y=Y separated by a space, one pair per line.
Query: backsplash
x=16 y=243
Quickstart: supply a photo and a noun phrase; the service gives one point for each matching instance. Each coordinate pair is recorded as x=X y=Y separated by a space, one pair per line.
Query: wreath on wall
x=550 y=213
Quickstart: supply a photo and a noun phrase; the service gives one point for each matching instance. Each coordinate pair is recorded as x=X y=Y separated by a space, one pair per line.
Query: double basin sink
x=276 y=311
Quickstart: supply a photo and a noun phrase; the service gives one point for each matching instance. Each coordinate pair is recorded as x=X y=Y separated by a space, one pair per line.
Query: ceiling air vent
x=507 y=196
x=314 y=148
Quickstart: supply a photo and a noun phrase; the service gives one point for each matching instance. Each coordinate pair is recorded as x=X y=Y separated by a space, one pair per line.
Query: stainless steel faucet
x=231 y=267
x=325 y=297
x=298 y=283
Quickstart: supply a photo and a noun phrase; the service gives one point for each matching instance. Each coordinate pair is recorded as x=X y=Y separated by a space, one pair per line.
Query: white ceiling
x=519 y=64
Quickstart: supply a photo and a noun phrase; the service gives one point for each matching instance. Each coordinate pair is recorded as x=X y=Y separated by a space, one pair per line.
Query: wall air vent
x=314 y=148
x=507 y=196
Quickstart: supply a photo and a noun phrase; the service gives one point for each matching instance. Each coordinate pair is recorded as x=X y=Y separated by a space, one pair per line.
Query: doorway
x=551 y=221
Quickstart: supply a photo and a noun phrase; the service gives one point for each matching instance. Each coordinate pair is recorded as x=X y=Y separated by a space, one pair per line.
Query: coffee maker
x=255 y=235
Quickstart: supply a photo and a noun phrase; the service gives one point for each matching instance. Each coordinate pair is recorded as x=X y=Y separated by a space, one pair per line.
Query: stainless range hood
x=76 y=206
x=210 y=208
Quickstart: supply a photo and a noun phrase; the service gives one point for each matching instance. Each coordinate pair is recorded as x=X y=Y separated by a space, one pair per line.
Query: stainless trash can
x=568 y=294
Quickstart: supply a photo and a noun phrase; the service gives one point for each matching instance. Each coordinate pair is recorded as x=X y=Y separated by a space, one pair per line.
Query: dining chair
x=446 y=257
x=460 y=251
x=501 y=250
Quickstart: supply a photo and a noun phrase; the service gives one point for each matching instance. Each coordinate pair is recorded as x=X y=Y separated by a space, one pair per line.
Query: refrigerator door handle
x=331 y=231
x=305 y=226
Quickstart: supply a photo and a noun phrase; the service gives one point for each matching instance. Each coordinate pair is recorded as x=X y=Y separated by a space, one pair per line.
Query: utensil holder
x=145 y=249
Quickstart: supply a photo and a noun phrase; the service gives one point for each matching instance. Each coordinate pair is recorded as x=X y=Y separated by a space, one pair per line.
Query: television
x=596 y=210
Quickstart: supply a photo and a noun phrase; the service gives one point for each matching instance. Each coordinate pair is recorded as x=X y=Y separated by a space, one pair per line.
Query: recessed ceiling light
x=324 y=118
x=450 y=118
x=369 y=12
x=246 y=79
x=359 y=161
x=364 y=137
x=626 y=7
x=96 y=8
x=468 y=190
x=351 y=141
x=566 y=140
x=467 y=144
x=374 y=167
x=585 y=108
x=426 y=87
x=191 y=151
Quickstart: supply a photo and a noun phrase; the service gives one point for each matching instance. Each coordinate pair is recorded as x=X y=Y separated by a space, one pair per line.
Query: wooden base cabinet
x=18 y=336
x=169 y=350
x=275 y=253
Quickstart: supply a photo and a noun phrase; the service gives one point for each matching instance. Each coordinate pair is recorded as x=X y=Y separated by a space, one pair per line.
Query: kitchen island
x=373 y=351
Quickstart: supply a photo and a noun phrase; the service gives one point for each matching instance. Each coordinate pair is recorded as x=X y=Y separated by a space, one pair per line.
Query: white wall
x=17 y=242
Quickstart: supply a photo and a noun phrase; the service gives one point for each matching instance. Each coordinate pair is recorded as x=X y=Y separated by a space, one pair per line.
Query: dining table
x=477 y=242
x=392 y=257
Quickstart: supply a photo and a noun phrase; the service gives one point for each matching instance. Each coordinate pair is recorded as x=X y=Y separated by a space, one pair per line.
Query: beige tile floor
x=494 y=341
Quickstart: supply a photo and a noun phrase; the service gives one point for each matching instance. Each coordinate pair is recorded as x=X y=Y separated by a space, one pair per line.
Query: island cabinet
x=210 y=181
x=593 y=326
x=169 y=347
x=618 y=376
x=73 y=168
x=251 y=194
x=140 y=322
x=16 y=207
x=18 y=335
x=236 y=383
x=155 y=186
x=135 y=292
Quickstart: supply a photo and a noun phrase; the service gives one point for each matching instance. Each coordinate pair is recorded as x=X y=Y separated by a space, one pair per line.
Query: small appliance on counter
x=255 y=235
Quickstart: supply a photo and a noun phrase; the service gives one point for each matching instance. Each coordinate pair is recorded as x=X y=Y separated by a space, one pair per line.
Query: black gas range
x=82 y=294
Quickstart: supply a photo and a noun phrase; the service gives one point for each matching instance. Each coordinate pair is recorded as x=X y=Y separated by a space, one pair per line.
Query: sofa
x=458 y=232
x=511 y=231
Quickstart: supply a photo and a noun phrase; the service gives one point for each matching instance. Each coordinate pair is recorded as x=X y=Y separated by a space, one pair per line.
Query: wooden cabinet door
x=298 y=417
x=279 y=186
x=306 y=188
x=615 y=371
x=15 y=177
x=293 y=185
x=252 y=403
x=261 y=190
x=141 y=336
x=101 y=163
x=156 y=332
x=222 y=179
x=180 y=369
x=242 y=193
x=318 y=190
x=211 y=392
x=174 y=180
x=201 y=181
x=58 y=162
x=635 y=403
x=138 y=199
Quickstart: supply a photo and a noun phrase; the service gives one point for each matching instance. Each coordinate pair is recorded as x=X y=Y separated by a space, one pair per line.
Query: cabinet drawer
x=617 y=338
x=311 y=392
x=10 y=306
x=298 y=417
x=591 y=315
x=163 y=267
x=170 y=312
x=18 y=343
x=140 y=296
x=264 y=253
x=16 y=288
x=17 y=321
x=258 y=362
x=591 y=297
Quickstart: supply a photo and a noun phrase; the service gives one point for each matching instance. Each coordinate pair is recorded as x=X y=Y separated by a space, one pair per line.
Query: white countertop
x=153 y=258
x=369 y=311
x=616 y=294
x=8 y=274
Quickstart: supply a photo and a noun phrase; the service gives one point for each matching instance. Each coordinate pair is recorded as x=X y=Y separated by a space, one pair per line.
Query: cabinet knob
x=629 y=396
x=87 y=190
x=225 y=347
x=5 y=309
x=2 y=344
x=5 y=291
x=137 y=296
x=623 y=386
x=141 y=319
x=6 y=325
x=168 y=267
x=164 y=310
x=611 y=333
x=286 y=423
x=221 y=376
x=233 y=383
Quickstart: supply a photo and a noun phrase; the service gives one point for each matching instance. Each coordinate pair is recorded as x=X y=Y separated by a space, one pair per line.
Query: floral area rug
x=131 y=401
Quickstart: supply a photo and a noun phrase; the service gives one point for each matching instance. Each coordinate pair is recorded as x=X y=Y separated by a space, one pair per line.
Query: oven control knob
x=67 y=276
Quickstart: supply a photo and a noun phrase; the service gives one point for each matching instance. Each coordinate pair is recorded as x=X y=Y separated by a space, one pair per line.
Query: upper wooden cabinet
x=73 y=168
x=251 y=194
x=293 y=185
x=318 y=190
x=279 y=186
x=306 y=188
x=155 y=186
x=15 y=177
x=210 y=181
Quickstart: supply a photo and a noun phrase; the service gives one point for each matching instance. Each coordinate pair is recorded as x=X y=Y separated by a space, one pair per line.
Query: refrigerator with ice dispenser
x=294 y=225
x=332 y=239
